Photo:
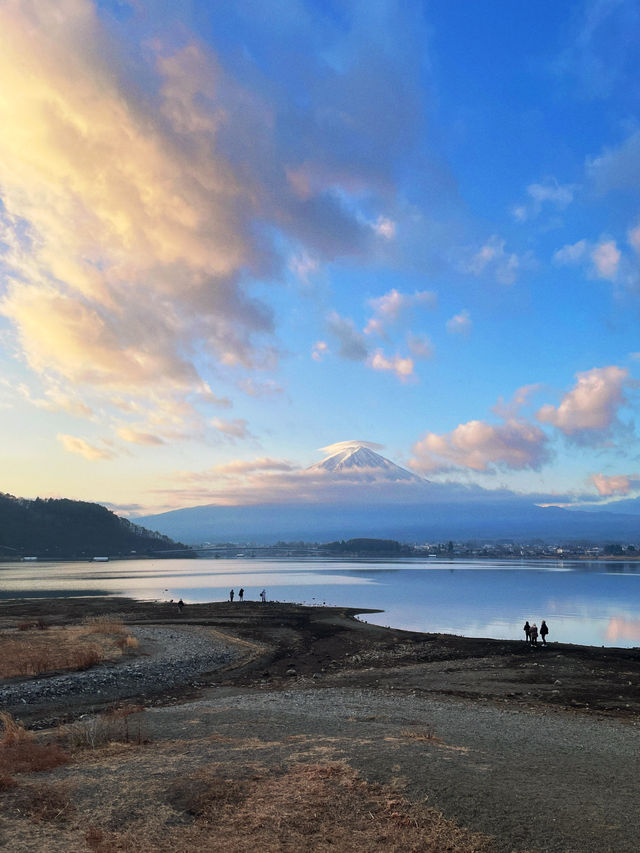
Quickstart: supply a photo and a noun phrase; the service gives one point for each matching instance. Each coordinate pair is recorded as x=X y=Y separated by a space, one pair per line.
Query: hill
x=72 y=529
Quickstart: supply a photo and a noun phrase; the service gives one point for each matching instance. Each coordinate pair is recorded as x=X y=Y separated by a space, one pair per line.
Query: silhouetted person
x=231 y=594
x=543 y=632
x=180 y=605
x=533 y=633
x=263 y=596
x=527 y=632
x=241 y=594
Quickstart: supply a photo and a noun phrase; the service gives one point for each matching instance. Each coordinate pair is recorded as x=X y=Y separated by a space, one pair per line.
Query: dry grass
x=20 y=752
x=44 y=801
x=312 y=808
x=113 y=727
x=30 y=651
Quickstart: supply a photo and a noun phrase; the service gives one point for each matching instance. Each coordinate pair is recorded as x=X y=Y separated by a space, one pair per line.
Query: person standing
x=263 y=596
x=241 y=593
x=533 y=633
x=527 y=632
x=231 y=594
x=543 y=632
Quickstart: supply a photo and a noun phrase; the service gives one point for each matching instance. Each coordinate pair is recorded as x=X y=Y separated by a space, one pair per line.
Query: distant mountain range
x=355 y=492
x=63 y=528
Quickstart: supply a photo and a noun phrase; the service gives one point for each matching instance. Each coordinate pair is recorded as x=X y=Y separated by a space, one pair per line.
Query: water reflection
x=587 y=602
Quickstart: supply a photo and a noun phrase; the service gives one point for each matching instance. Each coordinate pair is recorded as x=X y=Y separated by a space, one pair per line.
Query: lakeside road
x=536 y=748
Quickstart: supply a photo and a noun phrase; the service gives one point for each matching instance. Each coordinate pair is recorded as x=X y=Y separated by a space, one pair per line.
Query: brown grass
x=44 y=801
x=20 y=752
x=306 y=809
x=29 y=651
x=111 y=727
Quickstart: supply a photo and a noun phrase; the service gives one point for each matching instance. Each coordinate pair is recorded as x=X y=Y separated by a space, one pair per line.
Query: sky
x=232 y=234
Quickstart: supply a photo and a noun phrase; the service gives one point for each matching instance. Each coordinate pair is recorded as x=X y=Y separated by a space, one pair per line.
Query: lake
x=593 y=603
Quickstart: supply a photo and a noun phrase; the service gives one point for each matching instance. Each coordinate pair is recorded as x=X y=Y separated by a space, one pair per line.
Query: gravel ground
x=169 y=658
x=538 y=781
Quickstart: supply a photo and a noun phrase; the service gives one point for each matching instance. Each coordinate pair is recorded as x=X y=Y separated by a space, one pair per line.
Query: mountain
x=359 y=460
x=72 y=529
x=354 y=492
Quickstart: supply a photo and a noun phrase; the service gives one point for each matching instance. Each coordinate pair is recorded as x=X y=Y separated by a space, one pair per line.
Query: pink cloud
x=73 y=444
x=481 y=446
x=460 y=324
x=236 y=428
x=615 y=484
x=589 y=411
x=401 y=367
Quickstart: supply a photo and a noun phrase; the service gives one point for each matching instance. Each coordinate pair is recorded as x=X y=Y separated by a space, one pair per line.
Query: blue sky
x=234 y=233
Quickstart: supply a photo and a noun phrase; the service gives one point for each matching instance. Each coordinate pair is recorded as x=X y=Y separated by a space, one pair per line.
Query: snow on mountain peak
x=357 y=458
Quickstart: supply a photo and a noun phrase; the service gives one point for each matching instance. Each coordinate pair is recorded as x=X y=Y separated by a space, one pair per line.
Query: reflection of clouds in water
x=622 y=629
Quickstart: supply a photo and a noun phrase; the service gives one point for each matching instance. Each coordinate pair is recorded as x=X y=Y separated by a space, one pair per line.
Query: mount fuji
x=356 y=492
x=357 y=459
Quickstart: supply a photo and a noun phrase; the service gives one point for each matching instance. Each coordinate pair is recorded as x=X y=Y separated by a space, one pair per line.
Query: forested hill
x=72 y=529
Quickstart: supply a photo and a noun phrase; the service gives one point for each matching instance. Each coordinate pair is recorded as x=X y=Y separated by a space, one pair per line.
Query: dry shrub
x=20 y=752
x=44 y=802
x=29 y=652
x=105 y=624
x=127 y=644
x=112 y=727
x=25 y=626
x=6 y=781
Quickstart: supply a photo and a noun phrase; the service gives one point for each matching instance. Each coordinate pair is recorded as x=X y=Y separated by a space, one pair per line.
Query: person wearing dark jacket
x=543 y=632
x=527 y=632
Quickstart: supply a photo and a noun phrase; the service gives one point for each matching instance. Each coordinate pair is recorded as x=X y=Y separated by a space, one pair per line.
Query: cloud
x=571 y=254
x=606 y=259
x=388 y=309
x=460 y=324
x=239 y=468
x=617 y=168
x=589 y=412
x=480 y=446
x=319 y=350
x=73 y=444
x=616 y=484
x=550 y=192
x=401 y=367
x=493 y=258
x=140 y=199
x=236 y=428
x=351 y=343
x=136 y=437
x=603 y=258
x=420 y=346
x=339 y=446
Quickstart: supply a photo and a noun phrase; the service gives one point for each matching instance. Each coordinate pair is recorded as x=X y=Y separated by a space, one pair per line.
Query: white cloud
x=460 y=324
x=550 y=192
x=319 y=350
x=420 y=346
x=606 y=258
x=493 y=258
x=137 y=437
x=401 y=367
x=571 y=254
x=388 y=309
x=385 y=228
x=589 y=412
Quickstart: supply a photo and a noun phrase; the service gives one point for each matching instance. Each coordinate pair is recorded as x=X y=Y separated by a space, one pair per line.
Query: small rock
x=291 y=672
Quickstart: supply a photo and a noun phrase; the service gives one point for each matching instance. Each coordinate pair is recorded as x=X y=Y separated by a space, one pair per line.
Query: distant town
x=390 y=548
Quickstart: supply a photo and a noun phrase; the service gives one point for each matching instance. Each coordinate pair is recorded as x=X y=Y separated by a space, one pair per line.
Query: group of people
x=531 y=633
x=263 y=595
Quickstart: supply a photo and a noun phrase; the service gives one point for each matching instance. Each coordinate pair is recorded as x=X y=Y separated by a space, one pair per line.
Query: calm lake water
x=594 y=603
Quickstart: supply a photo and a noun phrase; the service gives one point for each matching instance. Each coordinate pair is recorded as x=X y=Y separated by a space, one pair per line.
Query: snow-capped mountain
x=358 y=460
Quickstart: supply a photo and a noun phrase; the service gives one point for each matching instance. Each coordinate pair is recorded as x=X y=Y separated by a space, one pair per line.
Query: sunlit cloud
x=615 y=484
x=481 y=446
x=73 y=444
x=388 y=308
x=136 y=437
x=606 y=258
x=589 y=412
x=319 y=350
x=396 y=364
